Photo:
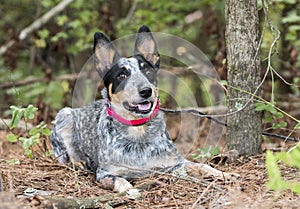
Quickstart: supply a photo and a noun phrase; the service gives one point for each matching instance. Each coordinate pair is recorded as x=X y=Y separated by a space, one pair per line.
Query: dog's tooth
x=143 y=107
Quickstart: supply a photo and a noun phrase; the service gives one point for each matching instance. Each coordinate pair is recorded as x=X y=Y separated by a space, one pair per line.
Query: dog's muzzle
x=136 y=122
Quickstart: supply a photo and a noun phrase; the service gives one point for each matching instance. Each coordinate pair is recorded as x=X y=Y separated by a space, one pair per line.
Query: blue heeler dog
x=123 y=136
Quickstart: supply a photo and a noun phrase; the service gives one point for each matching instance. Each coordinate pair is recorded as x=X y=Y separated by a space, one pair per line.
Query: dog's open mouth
x=143 y=107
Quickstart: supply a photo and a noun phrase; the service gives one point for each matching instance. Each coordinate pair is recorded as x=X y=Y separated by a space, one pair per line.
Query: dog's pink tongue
x=144 y=107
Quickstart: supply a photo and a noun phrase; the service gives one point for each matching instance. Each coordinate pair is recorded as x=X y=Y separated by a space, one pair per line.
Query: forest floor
x=43 y=183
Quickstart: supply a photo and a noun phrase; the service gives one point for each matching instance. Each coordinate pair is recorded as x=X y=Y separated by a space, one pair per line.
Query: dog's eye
x=149 y=72
x=121 y=76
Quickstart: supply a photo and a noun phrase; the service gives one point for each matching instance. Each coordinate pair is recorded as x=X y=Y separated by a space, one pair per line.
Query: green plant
x=271 y=114
x=33 y=135
x=290 y=158
x=206 y=153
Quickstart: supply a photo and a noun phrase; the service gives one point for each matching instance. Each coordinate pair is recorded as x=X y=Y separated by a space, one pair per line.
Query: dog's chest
x=135 y=159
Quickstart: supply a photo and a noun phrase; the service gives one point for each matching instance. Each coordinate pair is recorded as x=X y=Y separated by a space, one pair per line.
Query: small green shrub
x=271 y=114
x=33 y=135
x=290 y=158
x=205 y=153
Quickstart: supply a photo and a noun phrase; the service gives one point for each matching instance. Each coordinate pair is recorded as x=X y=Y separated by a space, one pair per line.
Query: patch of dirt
x=34 y=183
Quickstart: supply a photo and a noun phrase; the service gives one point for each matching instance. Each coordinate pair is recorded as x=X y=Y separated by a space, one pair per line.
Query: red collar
x=136 y=122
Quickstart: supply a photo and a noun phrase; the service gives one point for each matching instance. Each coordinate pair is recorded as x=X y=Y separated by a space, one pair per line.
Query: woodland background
x=42 y=68
x=60 y=45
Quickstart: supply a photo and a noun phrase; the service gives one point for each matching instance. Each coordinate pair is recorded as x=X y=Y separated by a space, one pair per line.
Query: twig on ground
x=203 y=193
x=1 y=180
x=66 y=203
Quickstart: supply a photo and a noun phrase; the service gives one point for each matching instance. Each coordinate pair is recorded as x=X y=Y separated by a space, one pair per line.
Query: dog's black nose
x=145 y=92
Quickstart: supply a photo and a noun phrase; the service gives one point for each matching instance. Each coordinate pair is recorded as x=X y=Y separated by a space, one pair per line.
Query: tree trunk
x=243 y=61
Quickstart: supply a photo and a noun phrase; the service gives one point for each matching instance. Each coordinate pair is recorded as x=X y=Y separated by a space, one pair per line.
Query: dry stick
x=173 y=198
x=37 y=24
x=65 y=203
x=202 y=194
x=201 y=114
x=1 y=180
x=130 y=13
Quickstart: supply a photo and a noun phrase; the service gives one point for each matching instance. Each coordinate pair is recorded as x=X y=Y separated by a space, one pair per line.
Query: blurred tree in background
x=61 y=45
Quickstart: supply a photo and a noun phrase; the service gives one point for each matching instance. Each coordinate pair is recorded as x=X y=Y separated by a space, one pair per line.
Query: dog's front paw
x=203 y=170
x=122 y=185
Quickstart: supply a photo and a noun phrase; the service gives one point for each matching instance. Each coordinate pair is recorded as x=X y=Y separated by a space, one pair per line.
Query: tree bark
x=243 y=61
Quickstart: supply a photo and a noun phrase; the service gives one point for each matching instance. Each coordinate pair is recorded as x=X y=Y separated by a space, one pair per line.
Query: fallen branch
x=203 y=194
x=1 y=184
x=103 y=201
x=65 y=203
x=36 y=24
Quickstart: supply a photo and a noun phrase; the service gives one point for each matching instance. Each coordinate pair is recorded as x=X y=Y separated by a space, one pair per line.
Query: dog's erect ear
x=145 y=45
x=106 y=53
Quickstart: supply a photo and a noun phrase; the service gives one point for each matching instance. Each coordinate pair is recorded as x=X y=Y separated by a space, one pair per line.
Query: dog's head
x=131 y=83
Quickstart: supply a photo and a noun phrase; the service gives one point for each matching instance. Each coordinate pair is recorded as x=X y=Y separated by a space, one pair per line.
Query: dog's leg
x=111 y=182
x=62 y=137
x=203 y=170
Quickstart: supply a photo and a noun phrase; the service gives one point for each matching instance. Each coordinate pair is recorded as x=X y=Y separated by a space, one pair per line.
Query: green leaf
x=46 y=131
x=13 y=107
x=271 y=109
x=40 y=43
x=296 y=187
x=297 y=126
x=259 y=106
x=74 y=24
x=215 y=150
x=29 y=112
x=294 y=156
x=12 y=138
x=61 y=19
x=59 y=35
x=13 y=162
x=292 y=17
x=16 y=117
x=41 y=125
x=281 y=124
x=268 y=119
x=34 y=131
x=28 y=143
x=278 y=115
x=275 y=181
x=44 y=33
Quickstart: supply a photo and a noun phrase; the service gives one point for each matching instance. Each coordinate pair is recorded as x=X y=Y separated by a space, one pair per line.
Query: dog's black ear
x=106 y=53
x=145 y=45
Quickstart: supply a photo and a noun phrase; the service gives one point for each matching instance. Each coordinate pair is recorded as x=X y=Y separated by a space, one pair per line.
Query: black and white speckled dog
x=123 y=136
